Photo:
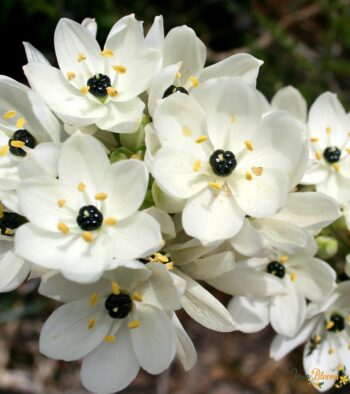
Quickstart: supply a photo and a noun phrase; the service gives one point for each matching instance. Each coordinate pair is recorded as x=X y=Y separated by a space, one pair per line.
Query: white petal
x=154 y=340
x=336 y=186
x=13 y=271
x=248 y=241
x=165 y=221
x=66 y=335
x=185 y=350
x=315 y=173
x=91 y=25
x=33 y=54
x=155 y=35
x=165 y=201
x=289 y=99
x=129 y=274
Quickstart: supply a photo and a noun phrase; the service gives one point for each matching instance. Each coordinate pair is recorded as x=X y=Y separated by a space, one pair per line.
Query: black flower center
x=173 y=89
x=10 y=221
x=338 y=323
x=276 y=268
x=89 y=218
x=332 y=154
x=223 y=162
x=98 y=85
x=24 y=136
x=118 y=305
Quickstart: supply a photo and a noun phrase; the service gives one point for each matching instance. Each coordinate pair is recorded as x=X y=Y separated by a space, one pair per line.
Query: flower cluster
x=133 y=176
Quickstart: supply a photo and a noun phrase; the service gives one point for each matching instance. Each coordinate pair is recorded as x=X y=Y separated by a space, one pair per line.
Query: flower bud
x=327 y=247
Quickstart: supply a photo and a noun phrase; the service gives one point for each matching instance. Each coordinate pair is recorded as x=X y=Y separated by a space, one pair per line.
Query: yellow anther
x=9 y=114
x=233 y=118
x=194 y=81
x=347 y=150
x=107 y=53
x=91 y=323
x=61 y=202
x=81 y=186
x=248 y=176
x=137 y=296
x=111 y=221
x=115 y=288
x=257 y=171
x=318 y=155
x=9 y=231
x=112 y=92
x=178 y=75
x=81 y=57
x=341 y=367
x=136 y=156
x=293 y=276
x=186 y=131
x=314 y=139
x=348 y=319
x=201 y=138
x=161 y=258
x=71 y=75
x=110 y=338
x=215 y=185
x=248 y=145
x=63 y=228
x=331 y=350
x=119 y=69
x=87 y=235
x=196 y=165
x=4 y=150
x=283 y=259
x=17 y=144
x=169 y=266
x=20 y=123
x=93 y=299
x=336 y=166
x=329 y=325
x=317 y=339
x=85 y=89
x=134 y=324
x=328 y=130
x=1 y=211
x=101 y=196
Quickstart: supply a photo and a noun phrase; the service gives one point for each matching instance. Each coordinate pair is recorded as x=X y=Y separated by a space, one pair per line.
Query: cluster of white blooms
x=133 y=176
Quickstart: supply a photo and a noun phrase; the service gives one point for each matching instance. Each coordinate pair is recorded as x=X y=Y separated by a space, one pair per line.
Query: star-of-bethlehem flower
x=223 y=157
x=327 y=335
x=117 y=324
x=94 y=86
x=302 y=277
x=86 y=220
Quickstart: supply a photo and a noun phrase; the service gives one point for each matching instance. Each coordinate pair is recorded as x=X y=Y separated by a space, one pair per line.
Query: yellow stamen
x=107 y=53
x=17 y=144
x=137 y=296
x=63 y=228
x=248 y=145
x=348 y=319
x=347 y=150
x=317 y=339
x=85 y=89
x=110 y=338
x=161 y=258
x=81 y=186
x=61 y=202
x=115 y=288
x=20 y=123
x=81 y=57
x=111 y=221
x=93 y=299
x=9 y=231
x=4 y=150
x=283 y=259
x=233 y=119
x=318 y=155
x=248 y=176
x=71 y=75
x=201 y=139
x=293 y=276
x=331 y=350
x=169 y=266
x=91 y=323
x=341 y=367
x=134 y=324
x=328 y=130
x=215 y=185
x=186 y=131
x=314 y=139
x=257 y=171
x=178 y=75
x=336 y=166
x=194 y=81
x=112 y=92
x=87 y=235
x=101 y=196
x=1 y=211
x=196 y=165
x=119 y=69
x=329 y=325
x=9 y=114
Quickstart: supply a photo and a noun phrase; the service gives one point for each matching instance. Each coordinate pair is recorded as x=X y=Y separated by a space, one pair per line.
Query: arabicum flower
x=85 y=221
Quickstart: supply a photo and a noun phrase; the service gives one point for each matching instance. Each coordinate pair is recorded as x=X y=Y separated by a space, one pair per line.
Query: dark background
x=303 y=43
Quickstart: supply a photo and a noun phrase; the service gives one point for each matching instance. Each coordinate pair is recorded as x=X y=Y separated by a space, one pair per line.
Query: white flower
x=95 y=87
x=328 y=132
x=223 y=157
x=117 y=324
x=290 y=99
x=184 y=57
x=327 y=333
x=302 y=277
x=85 y=220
